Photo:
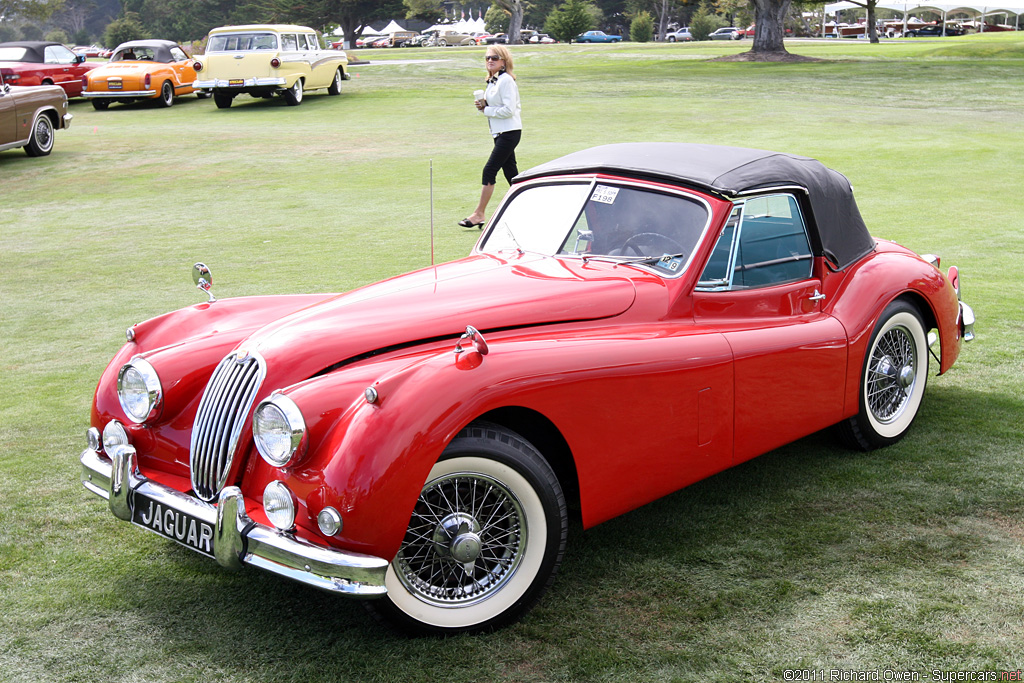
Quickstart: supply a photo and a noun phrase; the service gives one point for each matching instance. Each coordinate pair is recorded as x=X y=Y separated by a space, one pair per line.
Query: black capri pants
x=503 y=157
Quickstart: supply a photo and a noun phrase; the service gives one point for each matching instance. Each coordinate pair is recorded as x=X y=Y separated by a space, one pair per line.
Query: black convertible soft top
x=733 y=172
x=161 y=49
x=34 y=49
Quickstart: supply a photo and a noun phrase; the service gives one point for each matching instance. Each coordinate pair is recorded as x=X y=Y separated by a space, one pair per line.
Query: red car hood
x=484 y=291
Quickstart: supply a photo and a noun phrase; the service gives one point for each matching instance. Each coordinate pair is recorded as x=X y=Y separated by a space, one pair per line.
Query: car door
x=62 y=65
x=760 y=291
x=321 y=71
x=184 y=73
x=8 y=117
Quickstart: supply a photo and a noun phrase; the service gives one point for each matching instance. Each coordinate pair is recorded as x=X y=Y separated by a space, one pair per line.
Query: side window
x=57 y=54
x=764 y=243
x=289 y=42
x=312 y=42
x=177 y=54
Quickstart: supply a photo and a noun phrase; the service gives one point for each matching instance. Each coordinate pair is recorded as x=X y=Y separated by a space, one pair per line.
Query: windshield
x=235 y=42
x=601 y=219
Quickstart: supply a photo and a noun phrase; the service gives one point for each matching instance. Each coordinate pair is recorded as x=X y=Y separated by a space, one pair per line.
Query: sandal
x=466 y=223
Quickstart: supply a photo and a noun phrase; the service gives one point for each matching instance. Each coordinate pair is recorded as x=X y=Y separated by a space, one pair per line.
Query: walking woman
x=500 y=105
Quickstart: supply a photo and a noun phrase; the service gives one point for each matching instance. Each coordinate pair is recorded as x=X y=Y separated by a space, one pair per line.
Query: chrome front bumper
x=966 y=322
x=119 y=93
x=237 y=539
x=246 y=83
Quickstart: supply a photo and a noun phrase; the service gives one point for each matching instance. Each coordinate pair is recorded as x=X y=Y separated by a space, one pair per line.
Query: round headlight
x=278 y=430
x=279 y=504
x=114 y=435
x=139 y=390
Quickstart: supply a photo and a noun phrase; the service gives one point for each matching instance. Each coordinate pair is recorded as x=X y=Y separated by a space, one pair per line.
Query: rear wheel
x=293 y=95
x=484 y=541
x=892 y=381
x=335 y=87
x=41 y=142
x=100 y=105
x=222 y=99
x=166 y=94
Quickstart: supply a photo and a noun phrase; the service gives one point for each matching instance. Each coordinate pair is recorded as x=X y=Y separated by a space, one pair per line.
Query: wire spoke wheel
x=893 y=379
x=464 y=541
x=484 y=539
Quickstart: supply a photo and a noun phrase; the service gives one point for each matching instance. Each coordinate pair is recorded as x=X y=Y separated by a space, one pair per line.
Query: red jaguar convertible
x=634 y=318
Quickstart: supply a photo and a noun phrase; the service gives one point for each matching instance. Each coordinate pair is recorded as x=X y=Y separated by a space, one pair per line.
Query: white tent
x=390 y=28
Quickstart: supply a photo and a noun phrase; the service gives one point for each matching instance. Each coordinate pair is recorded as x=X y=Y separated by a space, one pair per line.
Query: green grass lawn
x=810 y=557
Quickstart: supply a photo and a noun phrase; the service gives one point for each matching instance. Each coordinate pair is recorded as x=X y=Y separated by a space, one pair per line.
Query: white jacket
x=503 y=110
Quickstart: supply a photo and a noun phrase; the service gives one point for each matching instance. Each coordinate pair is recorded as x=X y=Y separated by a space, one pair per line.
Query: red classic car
x=43 y=63
x=634 y=318
x=30 y=115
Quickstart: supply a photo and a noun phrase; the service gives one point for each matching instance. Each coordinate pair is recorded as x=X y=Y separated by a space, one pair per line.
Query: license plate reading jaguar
x=236 y=82
x=176 y=525
x=115 y=85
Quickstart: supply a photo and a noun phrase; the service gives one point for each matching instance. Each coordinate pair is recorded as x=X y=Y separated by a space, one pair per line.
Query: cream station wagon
x=264 y=60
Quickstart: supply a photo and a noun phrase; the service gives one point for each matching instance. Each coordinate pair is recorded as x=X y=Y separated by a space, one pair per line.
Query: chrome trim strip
x=238 y=540
x=246 y=83
x=120 y=93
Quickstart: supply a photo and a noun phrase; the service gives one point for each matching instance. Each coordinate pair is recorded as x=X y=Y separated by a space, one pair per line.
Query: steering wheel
x=656 y=240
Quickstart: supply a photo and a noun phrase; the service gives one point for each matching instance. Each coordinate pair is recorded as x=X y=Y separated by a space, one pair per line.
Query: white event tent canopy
x=981 y=10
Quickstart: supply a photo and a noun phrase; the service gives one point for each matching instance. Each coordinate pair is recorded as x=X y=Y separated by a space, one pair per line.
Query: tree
x=427 y=10
x=568 y=20
x=124 y=29
x=641 y=29
x=704 y=22
x=29 y=9
x=869 y=5
x=515 y=9
x=354 y=15
x=769 y=16
x=496 y=20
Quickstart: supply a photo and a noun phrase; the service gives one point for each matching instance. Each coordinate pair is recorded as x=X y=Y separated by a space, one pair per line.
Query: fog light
x=114 y=435
x=279 y=504
x=329 y=521
x=94 y=439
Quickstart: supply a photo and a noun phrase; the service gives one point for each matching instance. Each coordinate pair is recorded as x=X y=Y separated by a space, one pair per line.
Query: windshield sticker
x=604 y=194
x=670 y=262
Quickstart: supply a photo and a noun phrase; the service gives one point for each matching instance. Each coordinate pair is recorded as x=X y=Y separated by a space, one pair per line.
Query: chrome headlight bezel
x=153 y=396
x=279 y=431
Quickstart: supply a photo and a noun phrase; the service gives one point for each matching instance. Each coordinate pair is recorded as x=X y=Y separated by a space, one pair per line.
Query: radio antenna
x=431 y=212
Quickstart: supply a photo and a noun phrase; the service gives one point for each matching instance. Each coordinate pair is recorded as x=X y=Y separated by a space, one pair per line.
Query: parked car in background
x=88 y=51
x=937 y=29
x=496 y=39
x=420 y=40
x=679 y=36
x=726 y=33
x=542 y=39
x=29 y=115
x=597 y=37
x=267 y=60
x=633 y=319
x=37 y=62
x=160 y=70
x=446 y=38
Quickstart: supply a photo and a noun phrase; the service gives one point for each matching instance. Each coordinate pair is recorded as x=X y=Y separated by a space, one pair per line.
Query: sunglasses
x=492 y=58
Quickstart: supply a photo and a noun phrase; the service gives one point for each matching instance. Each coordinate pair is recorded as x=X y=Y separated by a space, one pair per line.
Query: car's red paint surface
x=638 y=383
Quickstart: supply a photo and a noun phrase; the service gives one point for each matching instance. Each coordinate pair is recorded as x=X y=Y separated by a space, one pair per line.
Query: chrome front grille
x=222 y=412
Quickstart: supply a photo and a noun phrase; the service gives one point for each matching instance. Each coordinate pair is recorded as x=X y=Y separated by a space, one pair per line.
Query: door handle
x=817 y=296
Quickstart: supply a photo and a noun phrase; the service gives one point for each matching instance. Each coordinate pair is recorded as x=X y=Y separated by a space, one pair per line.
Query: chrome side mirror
x=203 y=278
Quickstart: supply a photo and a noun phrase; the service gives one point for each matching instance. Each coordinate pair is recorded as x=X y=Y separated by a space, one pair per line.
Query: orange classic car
x=142 y=69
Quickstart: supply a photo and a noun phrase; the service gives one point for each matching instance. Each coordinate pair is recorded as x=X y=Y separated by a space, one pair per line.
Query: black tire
x=484 y=542
x=671 y=39
x=335 y=87
x=293 y=95
x=222 y=99
x=100 y=105
x=41 y=141
x=893 y=379
x=166 y=98
x=202 y=94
